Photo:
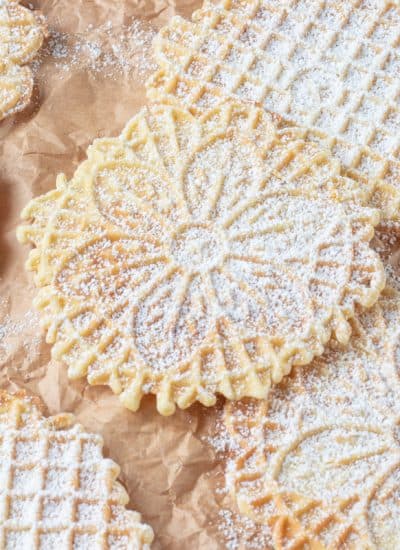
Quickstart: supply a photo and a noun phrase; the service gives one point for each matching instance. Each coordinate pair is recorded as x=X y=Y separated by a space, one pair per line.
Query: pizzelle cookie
x=320 y=462
x=195 y=256
x=21 y=36
x=330 y=67
x=56 y=488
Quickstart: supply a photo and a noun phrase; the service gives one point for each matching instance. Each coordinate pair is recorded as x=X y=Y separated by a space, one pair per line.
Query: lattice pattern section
x=195 y=256
x=56 y=489
x=21 y=36
x=330 y=67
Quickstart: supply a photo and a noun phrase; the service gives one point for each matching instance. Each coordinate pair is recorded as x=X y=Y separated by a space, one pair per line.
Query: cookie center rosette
x=190 y=257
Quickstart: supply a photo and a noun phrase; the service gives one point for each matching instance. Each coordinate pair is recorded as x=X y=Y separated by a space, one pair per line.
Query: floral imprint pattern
x=190 y=257
x=320 y=462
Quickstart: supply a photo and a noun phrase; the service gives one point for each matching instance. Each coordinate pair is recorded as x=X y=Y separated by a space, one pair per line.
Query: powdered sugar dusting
x=234 y=260
x=21 y=36
x=59 y=489
x=107 y=51
x=12 y=328
x=240 y=532
x=330 y=68
x=325 y=445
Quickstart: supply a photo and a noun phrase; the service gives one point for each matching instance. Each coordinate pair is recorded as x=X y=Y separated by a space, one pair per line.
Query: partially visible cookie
x=330 y=67
x=56 y=488
x=21 y=35
x=196 y=256
x=319 y=463
x=16 y=85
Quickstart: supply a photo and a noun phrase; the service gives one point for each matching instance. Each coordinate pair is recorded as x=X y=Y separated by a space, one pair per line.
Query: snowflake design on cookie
x=195 y=256
x=21 y=36
x=320 y=462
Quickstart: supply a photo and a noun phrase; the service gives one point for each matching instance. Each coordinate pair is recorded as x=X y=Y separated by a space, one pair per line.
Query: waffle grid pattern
x=302 y=60
x=56 y=489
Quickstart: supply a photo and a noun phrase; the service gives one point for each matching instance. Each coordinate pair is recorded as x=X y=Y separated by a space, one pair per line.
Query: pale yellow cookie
x=21 y=36
x=319 y=463
x=330 y=67
x=196 y=256
x=16 y=85
x=57 y=491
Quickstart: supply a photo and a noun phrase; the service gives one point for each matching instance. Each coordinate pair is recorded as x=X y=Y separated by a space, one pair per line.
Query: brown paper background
x=168 y=471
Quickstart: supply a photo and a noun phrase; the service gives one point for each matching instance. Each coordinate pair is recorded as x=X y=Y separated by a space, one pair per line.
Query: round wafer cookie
x=56 y=488
x=319 y=463
x=190 y=257
x=330 y=67
x=21 y=36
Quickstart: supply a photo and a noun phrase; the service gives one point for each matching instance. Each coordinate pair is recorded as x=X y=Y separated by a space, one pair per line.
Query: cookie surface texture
x=21 y=36
x=190 y=257
x=330 y=67
x=320 y=462
x=56 y=488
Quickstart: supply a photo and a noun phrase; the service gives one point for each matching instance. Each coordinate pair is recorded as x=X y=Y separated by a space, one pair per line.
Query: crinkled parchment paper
x=89 y=82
